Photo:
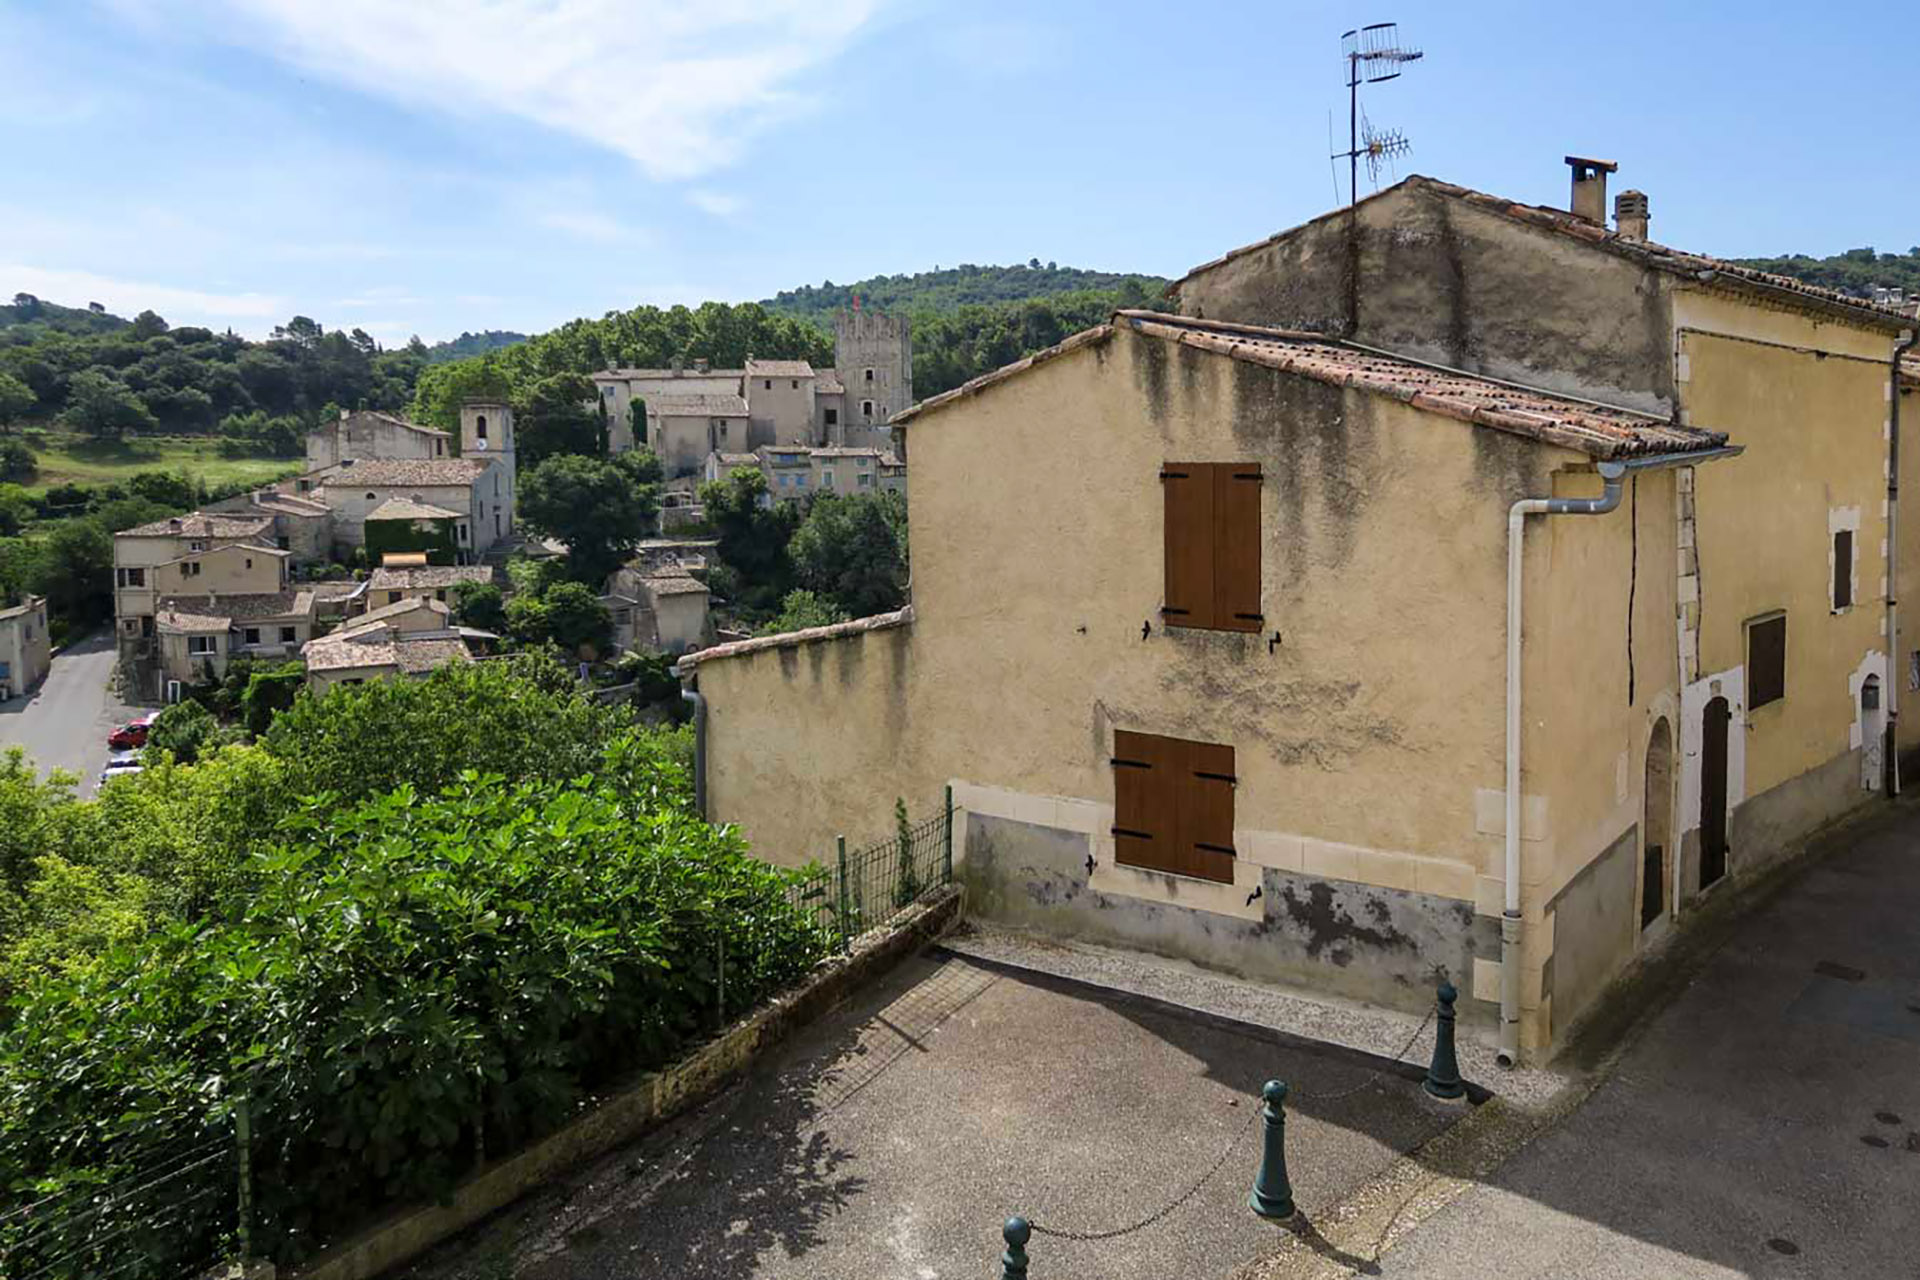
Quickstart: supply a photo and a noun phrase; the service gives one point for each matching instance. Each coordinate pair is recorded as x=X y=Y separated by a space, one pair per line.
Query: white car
x=124 y=768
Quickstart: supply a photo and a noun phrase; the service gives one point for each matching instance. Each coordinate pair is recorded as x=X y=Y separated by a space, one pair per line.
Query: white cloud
x=129 y=297
x=379 y=296
x=587 y=225
x=716 y=203
x=678 y=87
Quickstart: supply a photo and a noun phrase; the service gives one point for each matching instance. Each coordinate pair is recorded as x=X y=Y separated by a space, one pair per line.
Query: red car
x=132 y=734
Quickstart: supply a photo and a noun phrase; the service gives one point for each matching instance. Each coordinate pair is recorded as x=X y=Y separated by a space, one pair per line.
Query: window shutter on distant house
x=1173 y=805
x=1212 y=535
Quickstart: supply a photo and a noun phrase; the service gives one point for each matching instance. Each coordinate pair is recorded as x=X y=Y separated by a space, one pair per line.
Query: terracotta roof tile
x=779 y=369
x=433 y=576
x=377 y=473
x=696 y=406
x=200 y=524
x=793 y=639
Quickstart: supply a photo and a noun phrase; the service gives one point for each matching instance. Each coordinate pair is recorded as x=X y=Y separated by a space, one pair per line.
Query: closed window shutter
x=1173 y=805
x=1843 y=569
x=1236 y=547
x=1189 y=495
x=1766 y=661
x=1206 y=811
x=1144 y=812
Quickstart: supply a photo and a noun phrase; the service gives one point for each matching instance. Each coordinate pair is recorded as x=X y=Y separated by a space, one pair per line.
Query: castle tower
x=873 y=357
x=486 y=434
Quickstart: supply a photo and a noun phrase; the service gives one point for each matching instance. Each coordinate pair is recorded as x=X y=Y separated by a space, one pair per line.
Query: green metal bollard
x=1272 y=1194
x=1013 y=1263
x=1443 y=1075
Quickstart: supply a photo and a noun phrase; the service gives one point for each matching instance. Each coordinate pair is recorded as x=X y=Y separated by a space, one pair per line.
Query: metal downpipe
x=1906 y=343
x=692 y=696
x=1510 y=923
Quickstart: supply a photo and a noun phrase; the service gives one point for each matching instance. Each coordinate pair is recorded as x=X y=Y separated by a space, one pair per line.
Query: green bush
x=401 y=977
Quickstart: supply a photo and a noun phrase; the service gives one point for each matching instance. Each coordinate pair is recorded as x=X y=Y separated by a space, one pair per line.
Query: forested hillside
x=1856 y=271
x=473 y=344
x=948 y=290
x=27 y=319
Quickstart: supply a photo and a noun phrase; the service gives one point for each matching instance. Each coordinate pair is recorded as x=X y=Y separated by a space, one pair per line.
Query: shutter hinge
x=1227 y=778
x=1175 y=475
x=1127 y=831
x=1118 y=763
x=1178 y=612
x=1252 y=617
x=1254 y=476
x=1214 y=848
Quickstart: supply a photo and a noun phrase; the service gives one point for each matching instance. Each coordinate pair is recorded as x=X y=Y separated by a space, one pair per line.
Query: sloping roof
x=201 y=524
x=1698 y=267
x=387 y=613
x=674 y=584
x=695 y=406
x=739 y=459
x=828 y=384
x=408 y=509
x=428 y=576
x=1598 y=431
x=779 y=369
x=381 y=646
x=394 y=472
x=287 y=504
x=196 y=613
x=246 y=548
x=844 y=451
x=662 y=375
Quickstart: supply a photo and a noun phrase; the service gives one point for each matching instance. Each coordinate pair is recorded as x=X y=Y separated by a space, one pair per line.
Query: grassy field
x=67 y=458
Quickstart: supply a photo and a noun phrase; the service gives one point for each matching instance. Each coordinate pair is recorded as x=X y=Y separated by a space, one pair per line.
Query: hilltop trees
x=601 y=508
x=851 y=550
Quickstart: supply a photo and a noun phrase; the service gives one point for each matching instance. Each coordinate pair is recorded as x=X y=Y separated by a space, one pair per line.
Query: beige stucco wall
x=681 y=620
x=367 y=435
x=1812 y=413
x=781 y=410
x=228 y=570
x=351 y=504
x=26 y=645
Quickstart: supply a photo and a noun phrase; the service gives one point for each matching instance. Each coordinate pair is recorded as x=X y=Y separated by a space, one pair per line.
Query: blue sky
x=437 y=165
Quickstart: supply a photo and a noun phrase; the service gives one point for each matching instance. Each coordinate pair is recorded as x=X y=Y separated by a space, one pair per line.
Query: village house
x=391 y=583
x=26 y=646
x=414 y=637
x=657 y=605
x=1453 y=586
x=686 y=413
x=794 y=472
x=366 y=433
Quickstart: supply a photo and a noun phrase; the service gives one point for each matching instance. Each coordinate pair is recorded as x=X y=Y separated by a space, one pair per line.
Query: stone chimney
x=1630 y=215
x=700 y=365
x=1590 y=188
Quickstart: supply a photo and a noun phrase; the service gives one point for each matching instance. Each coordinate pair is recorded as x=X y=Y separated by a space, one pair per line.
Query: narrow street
x=1766 y=1124
x=64 y=723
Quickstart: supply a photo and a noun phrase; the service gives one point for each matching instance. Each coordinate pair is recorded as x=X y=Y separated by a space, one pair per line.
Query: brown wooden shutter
x=1189 y=489
x=1144 y=775
x=1236 y=547
x=1766 y=661
x=1206 y=810
x=1843 y=569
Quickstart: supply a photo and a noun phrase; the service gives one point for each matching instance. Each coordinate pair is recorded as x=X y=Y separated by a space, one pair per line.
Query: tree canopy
x=601 y=508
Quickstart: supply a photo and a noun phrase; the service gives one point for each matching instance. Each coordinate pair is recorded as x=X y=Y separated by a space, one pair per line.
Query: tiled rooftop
x=197 y=613
x=381 y=646
x=779 y=369
x=198 y=524
x=394 y=472
x=408 y=509
x=428 y=576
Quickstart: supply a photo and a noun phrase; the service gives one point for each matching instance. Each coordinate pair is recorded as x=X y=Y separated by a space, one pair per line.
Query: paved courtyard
x=64 y=723
x=893 y=1137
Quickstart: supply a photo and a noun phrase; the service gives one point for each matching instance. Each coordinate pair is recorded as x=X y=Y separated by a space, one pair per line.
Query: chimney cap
x=1587 y=166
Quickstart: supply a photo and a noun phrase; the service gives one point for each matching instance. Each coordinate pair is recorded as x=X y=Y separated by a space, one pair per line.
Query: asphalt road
x=64 y=723
x=1766 y=1125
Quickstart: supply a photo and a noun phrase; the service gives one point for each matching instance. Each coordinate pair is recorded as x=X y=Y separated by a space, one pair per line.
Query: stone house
x=300 y=525
x=197 y=636
x=1453 y=585
x=392 y=584
x=667 y=607
x=366 y=433
x=26 y=646
x=414 y=637
x=149 y=555
x=683 y=430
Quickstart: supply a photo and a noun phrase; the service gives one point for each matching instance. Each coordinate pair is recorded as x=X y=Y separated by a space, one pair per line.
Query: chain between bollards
x=1272 y=1192
x=1013 y=1263
x=1443 y=1075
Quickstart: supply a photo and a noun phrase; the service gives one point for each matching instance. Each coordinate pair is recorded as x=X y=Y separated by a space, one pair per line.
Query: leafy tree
x=270 y=691
x=521 y=717
x=802 y=610
x=559 y=415
x=103 y=406
x=479 y=604
x=116 y=514
x=16 y=509
x=527 y=621
x=753 y=535
x=443 y=388
x=184 y=730
x=75 y=571
x=576 y=620
x=850 y=550
x=168 y=488
x=592 y=506
x=16 y=398
x=17 y=460
x=148 y=324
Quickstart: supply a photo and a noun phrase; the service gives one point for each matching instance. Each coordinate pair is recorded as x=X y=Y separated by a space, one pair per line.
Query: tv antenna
x=1373 y=55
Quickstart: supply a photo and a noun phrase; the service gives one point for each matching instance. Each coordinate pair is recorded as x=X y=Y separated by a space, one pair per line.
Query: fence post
x=842 y=843
x=243 y=1139
x=946 y=859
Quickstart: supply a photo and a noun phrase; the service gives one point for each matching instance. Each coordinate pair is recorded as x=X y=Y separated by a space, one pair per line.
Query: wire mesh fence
x=163 y=1212
x=865 y=889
